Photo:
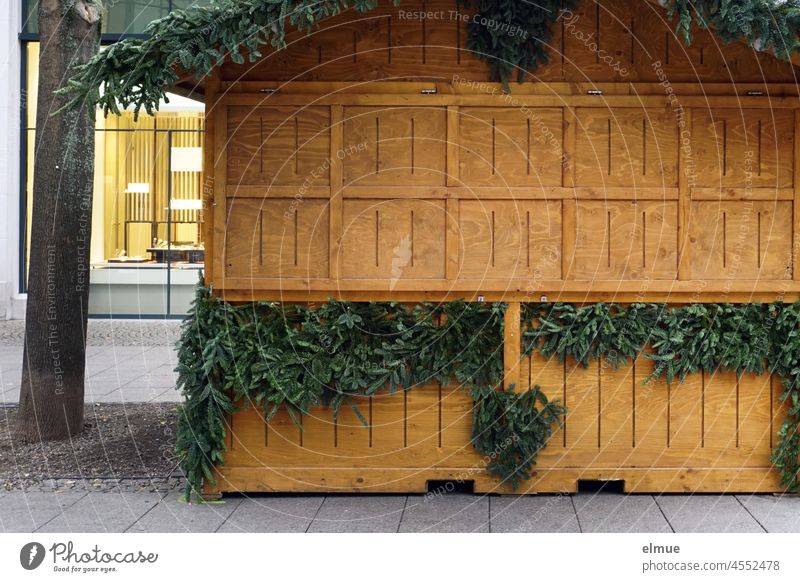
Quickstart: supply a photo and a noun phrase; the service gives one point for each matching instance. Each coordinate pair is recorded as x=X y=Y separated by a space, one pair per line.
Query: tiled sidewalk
x=74 y=511
x=127 y=361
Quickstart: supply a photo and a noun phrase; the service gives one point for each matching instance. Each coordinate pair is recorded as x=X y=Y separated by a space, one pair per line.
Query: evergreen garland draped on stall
x=137 y=72
x=289 y=356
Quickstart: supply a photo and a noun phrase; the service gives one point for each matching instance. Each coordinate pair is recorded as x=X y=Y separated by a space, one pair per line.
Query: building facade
x=147 y=244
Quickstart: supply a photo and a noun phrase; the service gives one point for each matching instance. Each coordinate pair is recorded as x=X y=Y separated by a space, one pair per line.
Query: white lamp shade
x=183 y=204
x=138 y=188
x=186 y=160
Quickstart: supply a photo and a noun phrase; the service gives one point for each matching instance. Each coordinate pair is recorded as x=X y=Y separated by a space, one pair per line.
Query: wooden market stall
x=374 y=160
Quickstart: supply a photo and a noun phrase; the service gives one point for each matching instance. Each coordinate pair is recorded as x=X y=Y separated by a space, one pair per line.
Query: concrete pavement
x=134 y=362
x=127 y=361
x=78 y=511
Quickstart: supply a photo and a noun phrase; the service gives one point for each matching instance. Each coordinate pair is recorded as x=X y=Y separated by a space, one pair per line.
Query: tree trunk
x=51 y=395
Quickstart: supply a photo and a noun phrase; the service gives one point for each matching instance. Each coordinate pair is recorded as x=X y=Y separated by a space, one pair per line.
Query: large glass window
x=123 y=17
x=147 y=244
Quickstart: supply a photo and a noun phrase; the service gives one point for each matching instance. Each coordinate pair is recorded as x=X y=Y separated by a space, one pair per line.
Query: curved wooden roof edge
x=189 y=86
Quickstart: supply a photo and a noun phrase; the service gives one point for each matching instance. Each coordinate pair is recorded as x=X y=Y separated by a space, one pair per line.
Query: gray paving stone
x=273 y=514
x=9 y=395
x=10 y=350
x=171 y=515
x=533 y=514
x=134 y=354
x=776 y=513
x=102 y=332
x=449 y=513
x=151 y=381
x=359 y=513
x=133 y=394
x=608 y=512
x=24 y=511
x=106 y=383
x=103 y=512
x=707 y=514
x=170 y=395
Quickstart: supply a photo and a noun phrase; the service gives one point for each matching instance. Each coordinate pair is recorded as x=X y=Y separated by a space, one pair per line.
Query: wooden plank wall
x=586 y=200
x=372 y=160
x=711 y=433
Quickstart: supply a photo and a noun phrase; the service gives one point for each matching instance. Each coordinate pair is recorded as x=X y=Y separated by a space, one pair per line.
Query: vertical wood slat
x=550 y=375
x=568 y=208
x=220 y=204
x=569 y=226
x=583 y=406
x=337 y=181
x=684 y=199
x=351 y=434
x=616 y=387
x=388 y=422
x=719 y=413
x=778 y=409
x=796 y=205
x=454 y=417
x=511 y=346
x=453 y=145
x=318 y=431
x=421 y=429
x=570 y=132
x=451 y=237
x=753 y=416
x=686 y=414
x=650 y=412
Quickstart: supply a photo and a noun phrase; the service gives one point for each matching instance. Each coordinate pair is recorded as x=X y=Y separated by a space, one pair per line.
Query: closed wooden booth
x=373 y=159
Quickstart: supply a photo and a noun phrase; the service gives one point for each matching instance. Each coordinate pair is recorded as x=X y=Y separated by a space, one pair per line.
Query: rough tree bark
x=51 y=395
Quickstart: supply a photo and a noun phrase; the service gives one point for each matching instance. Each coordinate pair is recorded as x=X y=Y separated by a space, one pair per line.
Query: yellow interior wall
x=129 y=152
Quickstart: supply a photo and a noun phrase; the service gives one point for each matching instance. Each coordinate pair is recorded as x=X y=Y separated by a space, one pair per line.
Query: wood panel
x=626 y=240
x=510 y=146
x=740 y=240
x=655 y=436
x=582 y=399
x=616 y=420
x=416 y=206
x=278 y=146
x=277 y=238
x=626 y=147
x=395 y=146
x=508 y=239
x=744 y=148
x=393 y=239
x=688 y=436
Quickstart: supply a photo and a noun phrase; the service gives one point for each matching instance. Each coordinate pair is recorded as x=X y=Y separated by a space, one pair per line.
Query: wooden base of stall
x=418 y=480
x=713 y=433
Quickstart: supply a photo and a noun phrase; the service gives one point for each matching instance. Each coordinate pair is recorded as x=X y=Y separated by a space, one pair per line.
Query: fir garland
x=297 y=357
x=294 y=358
x=767 y=25
x=510 y=428
x=513 y=35
x=137 y=72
